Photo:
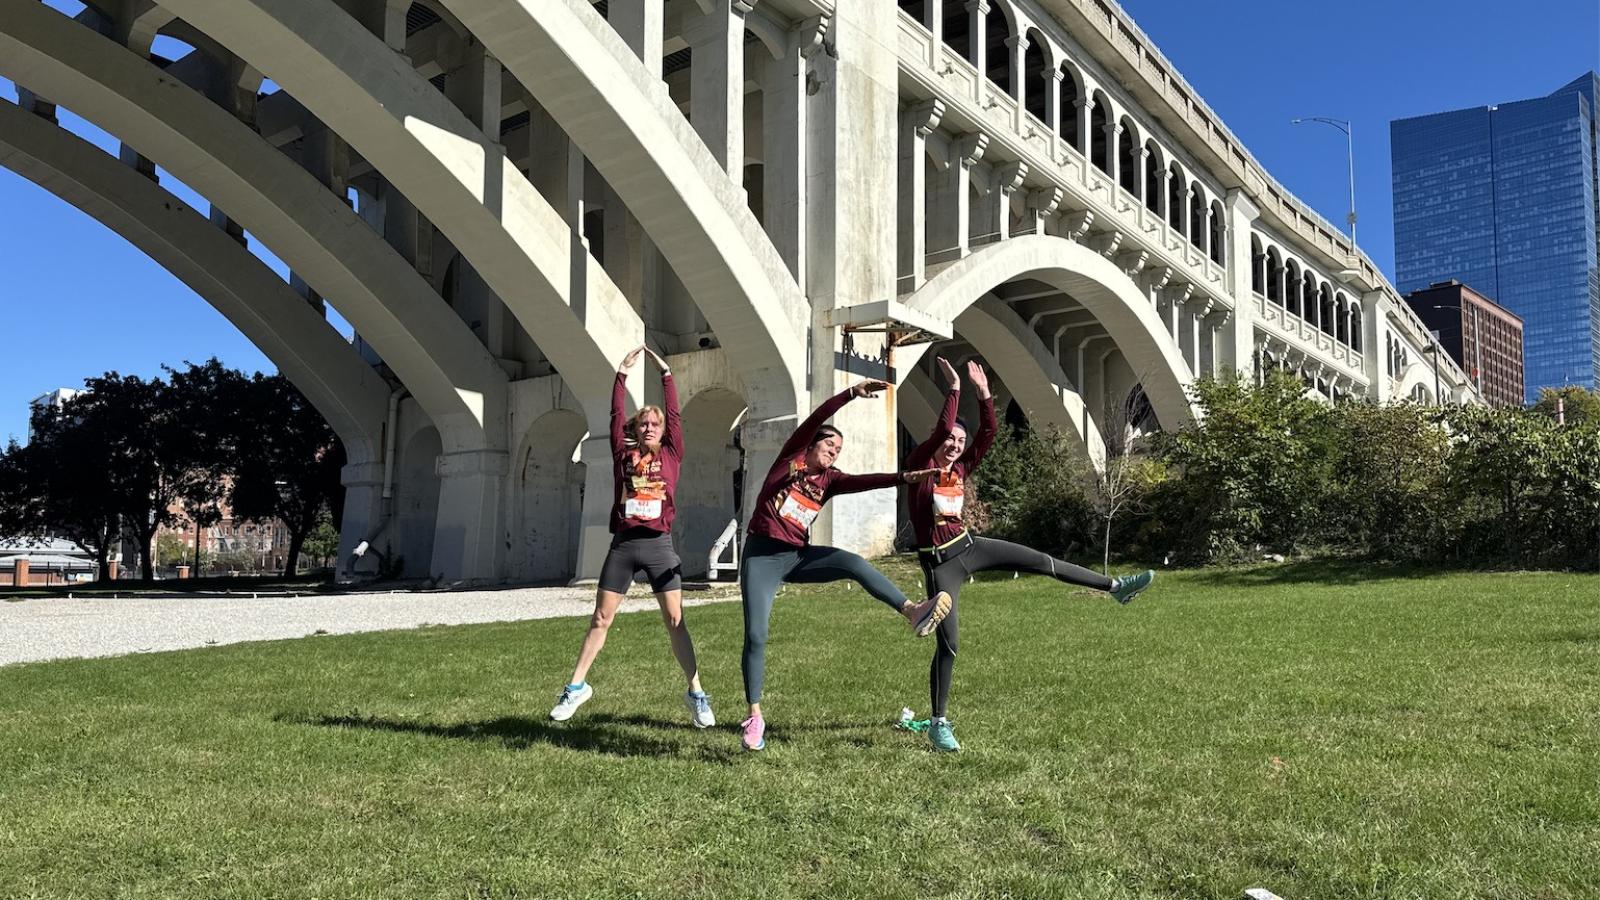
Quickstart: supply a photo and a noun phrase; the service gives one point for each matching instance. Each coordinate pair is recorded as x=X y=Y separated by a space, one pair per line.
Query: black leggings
x=985 y=554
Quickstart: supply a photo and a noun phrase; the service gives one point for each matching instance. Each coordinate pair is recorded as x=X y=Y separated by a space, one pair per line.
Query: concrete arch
x=705 y=496
x=580 y=71
x=309 y=352
x=1032 y=374
x=458 y=384
x=448 y=168
x=549 y=489
x=1414 y=379
x=1121 y=307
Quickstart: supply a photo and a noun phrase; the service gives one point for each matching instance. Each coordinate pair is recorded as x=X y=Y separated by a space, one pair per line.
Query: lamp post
x=1350 y=156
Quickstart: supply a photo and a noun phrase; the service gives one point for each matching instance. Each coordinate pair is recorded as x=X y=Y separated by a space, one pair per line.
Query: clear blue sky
x=80 y=301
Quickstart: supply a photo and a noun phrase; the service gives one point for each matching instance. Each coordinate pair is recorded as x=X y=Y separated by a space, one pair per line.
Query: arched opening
x=416 y=504
x=1258 y=266
x=710 y=479
x=957 y=28
x=1274 y=289
x=1292 y=289
x=1035 y=76
x=915 y=8
x=1219 y=232
x=1129 y=169
x=1197 y=214
x=1099 y=151
x=1325 y=313
x=1308 y=298
x=549 y=503
x=1153 y=198
x=1355 y=327
x=1071 y=95
x=1177 y=189
x=997 y=53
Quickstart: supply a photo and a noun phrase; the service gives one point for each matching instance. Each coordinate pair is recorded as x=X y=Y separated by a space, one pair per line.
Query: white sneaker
x=699 y=709
x=570 y=701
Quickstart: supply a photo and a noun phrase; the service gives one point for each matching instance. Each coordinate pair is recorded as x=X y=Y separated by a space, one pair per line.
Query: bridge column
x=1052 y=103
x=994 y=219
x=1113 y=134
x=1238 y=338
x=916 y=123
x=594 y=531
x=783 y=139
x=1141 y=160
x=716 y=88
x=1377 y=350
x=951 y=201
x=468 y=534
x=978 y=35
x=1083 y=109
x=363 y=509
x=1018 y=45
x=639 y=23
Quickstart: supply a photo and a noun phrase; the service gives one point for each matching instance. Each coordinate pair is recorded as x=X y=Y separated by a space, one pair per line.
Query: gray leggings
x=768 y=563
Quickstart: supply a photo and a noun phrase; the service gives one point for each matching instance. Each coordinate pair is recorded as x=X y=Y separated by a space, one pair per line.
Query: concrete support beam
x=950 y=215
x=783 y=141
x=916 y=123
x=716 y=92
x=640 y=25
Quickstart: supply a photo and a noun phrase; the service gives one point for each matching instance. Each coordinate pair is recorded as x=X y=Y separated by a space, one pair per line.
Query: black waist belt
x=948 y=550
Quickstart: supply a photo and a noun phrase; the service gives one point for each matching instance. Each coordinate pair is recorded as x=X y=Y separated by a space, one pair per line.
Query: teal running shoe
x=1124 y=589
x=942 y=735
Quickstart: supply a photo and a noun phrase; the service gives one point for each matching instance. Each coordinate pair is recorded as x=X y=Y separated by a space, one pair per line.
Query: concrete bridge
x=783 y=196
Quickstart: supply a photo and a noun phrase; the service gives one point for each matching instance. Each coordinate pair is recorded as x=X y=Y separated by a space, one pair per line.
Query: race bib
x=799 y=509
x=947 y=500
x=642 y=508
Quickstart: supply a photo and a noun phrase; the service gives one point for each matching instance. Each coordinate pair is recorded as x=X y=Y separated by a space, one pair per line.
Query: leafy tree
x=322 y=543
x=287 y=462
x=1128 y=476
x=1581 y=406
x=62 y=484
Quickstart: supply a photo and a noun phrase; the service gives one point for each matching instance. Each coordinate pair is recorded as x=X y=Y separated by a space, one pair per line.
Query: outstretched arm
x=855 y=484
x=923 y=454
x=802 y=435
x=673 y=435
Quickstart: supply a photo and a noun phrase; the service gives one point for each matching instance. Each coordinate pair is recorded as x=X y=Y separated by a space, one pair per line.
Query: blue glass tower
x=1507 y=200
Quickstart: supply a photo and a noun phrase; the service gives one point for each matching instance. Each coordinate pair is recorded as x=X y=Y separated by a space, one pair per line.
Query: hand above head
x=918 y=475
x=950 y=376
x=868 y=388
x=656 y=358
x=631 y=359
x=978 y=377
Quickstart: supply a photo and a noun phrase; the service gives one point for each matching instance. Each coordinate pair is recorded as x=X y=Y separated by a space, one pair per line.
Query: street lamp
x=1350 y=156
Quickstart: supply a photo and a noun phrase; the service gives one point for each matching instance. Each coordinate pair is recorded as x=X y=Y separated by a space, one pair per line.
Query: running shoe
x=927 y=615
x=699 y=709
x=942 y=735
x=1127 y=587
x=755 y=733
x=571 y=699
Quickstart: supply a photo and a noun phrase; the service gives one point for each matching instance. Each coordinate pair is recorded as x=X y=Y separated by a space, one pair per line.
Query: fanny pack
x=948 y=550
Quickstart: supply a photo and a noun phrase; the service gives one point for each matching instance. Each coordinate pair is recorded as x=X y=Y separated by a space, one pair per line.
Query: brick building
x=1483 y=337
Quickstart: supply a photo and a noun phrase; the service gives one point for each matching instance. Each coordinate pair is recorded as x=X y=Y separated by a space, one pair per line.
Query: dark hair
x=962 y=424
x=822 y=434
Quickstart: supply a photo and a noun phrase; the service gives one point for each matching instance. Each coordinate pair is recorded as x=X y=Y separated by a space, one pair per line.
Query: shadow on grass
x=604 y=734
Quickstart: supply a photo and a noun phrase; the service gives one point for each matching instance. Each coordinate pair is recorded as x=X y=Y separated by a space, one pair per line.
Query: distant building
x=43 y=561
x=1483 y=337
x=54 y=400
x=1504 y=198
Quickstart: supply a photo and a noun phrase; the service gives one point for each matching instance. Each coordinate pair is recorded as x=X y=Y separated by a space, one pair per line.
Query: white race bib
x=947 y=501
x=637 y=508
x=799 y=509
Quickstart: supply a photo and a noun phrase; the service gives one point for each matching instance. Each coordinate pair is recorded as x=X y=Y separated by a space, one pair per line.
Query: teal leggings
x=768 y=563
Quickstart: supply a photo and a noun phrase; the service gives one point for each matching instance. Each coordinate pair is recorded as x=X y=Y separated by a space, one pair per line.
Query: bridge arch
x=1118 y=304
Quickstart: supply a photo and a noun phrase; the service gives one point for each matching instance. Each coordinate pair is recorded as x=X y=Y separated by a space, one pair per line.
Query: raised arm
x=619 y=399
x=824 y=411
x=923 y=454
x=988 y=426
x=673 y=434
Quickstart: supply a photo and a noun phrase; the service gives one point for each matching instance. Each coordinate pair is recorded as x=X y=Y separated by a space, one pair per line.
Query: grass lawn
x=1318 y=730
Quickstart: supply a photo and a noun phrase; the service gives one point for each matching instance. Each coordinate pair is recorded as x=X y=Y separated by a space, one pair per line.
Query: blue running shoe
x=942 y=735
x=1127 y=587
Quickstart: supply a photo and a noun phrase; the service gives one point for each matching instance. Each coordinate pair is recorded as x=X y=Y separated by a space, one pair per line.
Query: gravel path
x=57 y=628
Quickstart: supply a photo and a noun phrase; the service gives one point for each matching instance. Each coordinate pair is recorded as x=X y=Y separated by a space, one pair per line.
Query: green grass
x=1320 y=730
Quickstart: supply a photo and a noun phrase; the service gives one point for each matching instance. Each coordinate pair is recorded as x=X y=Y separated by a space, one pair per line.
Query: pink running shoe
x=755 y=733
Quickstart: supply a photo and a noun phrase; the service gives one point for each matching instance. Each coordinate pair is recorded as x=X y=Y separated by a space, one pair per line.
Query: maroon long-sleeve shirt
x=936 y=504
x=646 y=483
x=792 y=496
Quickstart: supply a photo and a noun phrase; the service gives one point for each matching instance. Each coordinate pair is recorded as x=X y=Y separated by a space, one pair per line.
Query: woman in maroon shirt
x=777 y=547
x=950 y=554
x=646 y=481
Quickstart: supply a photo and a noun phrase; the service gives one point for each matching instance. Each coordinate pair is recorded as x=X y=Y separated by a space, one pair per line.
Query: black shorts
x=641 y=550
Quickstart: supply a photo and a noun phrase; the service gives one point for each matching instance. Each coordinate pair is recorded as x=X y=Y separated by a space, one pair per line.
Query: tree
x=1580 y=406
x=288 y=462
x=322 y=543
x=1128 y=476
x=62 y=484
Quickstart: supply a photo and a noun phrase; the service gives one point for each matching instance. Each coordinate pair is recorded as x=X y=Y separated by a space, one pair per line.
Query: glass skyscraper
x=1506 y=199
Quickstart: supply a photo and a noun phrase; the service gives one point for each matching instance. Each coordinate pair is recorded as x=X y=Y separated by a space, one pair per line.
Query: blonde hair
x=633 y=423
